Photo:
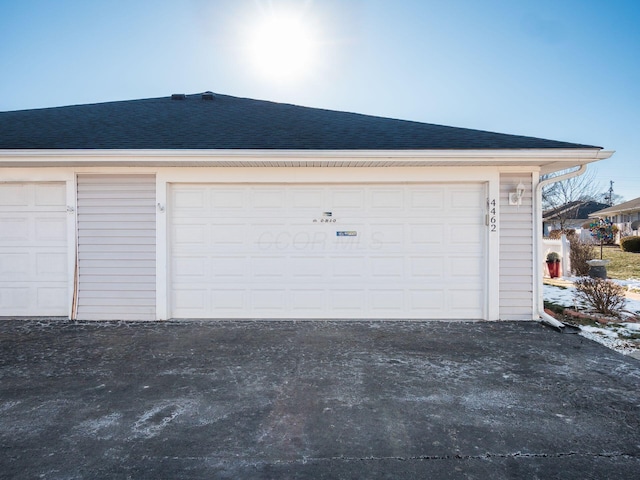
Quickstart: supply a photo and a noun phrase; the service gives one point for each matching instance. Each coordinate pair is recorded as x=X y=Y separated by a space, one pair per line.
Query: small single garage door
x=33 y=250
x=327 y=251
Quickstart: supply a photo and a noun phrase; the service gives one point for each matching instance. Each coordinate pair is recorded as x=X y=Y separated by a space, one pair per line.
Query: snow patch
x=609 y=334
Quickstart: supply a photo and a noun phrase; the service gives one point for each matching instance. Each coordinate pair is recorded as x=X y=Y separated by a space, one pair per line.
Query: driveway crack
x=462 y=457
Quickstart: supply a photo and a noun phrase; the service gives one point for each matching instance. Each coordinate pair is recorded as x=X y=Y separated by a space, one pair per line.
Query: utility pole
x=609 y=198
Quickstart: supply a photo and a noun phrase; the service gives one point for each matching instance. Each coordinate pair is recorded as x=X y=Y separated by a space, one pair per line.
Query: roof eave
x=613 y=211
x=548 y=160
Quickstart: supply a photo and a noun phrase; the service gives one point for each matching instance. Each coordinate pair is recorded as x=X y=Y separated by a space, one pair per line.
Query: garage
x=383 y=251
x=33 y=249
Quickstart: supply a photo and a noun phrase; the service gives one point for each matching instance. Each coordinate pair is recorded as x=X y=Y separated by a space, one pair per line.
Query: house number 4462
x=492 y=217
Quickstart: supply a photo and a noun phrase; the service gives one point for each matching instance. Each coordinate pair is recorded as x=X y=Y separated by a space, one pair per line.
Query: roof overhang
x=607 y=212
x=547 y=160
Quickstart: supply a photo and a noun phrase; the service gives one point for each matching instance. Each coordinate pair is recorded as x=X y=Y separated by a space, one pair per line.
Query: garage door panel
x=421 y=200
x=308 y=300
x=309 y=266
x=26 y=299
x=347 y=267
x=307 y=198
x=349 y=301
x=15 y=195
x=461 y=198
x=191 y=268
x=269 y=266
x=387 y=198
x=48 y=194
x=427 y=268
x=51 y=265
x=268 y=198
x=15 y=266
x=387 y=235
x=423 y=235
x=229 y=302
x=429 y=302
x=463 y=301
x=33 y=242
x=269 y=236
x=465 y=269
x=189 y=300
x=190 y=234
x=347 y=198
x=386 y=301
x=14 y=229
x=228 y=198
x=225 y=267
x=387 y=267
x=193 y=197
x=52 y=297
x=229 y=234
x=341 y=251
x=269 y=299
x=15 y=299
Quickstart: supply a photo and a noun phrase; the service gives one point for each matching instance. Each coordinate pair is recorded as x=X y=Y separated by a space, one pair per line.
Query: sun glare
x=282 y=47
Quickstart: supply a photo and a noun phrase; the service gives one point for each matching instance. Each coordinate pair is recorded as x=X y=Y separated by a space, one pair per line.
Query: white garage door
x=327 y=251
x=33 y=249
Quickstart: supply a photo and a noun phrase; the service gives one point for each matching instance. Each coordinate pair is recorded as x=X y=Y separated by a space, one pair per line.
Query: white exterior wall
x=116 y=247
x=516 y=249
x=166 y=176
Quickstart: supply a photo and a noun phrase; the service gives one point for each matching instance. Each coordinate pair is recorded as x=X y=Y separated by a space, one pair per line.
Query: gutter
x=545 y=318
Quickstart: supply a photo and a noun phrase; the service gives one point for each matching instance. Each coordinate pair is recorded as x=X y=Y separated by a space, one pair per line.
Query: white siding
x=116 y=247
x=33 y=249
x=516 y=250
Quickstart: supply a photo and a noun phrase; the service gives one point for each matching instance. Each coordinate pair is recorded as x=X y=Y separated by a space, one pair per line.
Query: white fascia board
x=617 y=211
x=11 y=158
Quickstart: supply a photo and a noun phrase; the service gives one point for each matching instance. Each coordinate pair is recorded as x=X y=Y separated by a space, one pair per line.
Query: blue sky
x=562 y=69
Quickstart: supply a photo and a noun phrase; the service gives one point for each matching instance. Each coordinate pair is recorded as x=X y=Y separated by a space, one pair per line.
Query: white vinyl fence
x=563 y=248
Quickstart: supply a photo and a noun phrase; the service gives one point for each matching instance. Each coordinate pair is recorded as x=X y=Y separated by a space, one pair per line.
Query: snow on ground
x=609 y=338
x=608 y=335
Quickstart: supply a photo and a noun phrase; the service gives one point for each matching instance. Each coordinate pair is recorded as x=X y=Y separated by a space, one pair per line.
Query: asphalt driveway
x=313 y=400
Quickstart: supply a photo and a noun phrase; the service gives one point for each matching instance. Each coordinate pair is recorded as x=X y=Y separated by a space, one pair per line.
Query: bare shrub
x=604 y=296
x=580 y=253
x=556 y=234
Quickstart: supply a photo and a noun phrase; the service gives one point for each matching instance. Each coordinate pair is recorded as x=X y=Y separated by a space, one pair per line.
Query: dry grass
x=624 y=265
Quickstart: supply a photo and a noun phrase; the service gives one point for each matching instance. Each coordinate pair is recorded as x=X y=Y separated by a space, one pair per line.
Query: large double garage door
x=327 y=251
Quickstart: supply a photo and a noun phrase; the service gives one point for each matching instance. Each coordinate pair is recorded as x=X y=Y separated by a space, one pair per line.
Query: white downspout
x=537 y=232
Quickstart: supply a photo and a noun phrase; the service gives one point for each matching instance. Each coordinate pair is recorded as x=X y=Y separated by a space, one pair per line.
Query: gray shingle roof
x=228 y=122
x=577 y=209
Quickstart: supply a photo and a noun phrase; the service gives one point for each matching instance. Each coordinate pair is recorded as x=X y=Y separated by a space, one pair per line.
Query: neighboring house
x=572 y=215
x=211 y=206
x=625 y=216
